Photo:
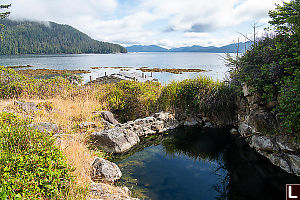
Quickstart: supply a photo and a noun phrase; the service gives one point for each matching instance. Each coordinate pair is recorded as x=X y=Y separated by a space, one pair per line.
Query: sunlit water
x=214 y=63
x=201 y=164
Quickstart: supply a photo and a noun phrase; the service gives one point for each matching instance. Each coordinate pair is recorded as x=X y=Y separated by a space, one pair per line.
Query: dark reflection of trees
x=249 y=175
x=206 y=144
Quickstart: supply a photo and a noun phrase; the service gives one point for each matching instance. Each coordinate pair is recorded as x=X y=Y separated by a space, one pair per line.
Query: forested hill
x=28 y=37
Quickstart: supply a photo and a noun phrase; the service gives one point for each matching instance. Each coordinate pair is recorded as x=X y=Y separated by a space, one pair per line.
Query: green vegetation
x=31 y=166
x=27 y=37
x=199 y=96
x=271 y=67
x=14 y=85
x=131 y=100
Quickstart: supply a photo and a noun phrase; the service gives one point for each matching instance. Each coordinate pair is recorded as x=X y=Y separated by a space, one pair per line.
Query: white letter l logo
x=290 y=193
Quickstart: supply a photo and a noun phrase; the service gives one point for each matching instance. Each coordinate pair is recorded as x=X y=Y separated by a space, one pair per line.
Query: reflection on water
x=194 y=163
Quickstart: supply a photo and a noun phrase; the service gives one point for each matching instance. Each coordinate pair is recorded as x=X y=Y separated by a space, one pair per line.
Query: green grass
x=31 y=166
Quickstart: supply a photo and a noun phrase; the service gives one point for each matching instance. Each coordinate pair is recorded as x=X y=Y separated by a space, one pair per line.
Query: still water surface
x=201 y=164
x=212 y=62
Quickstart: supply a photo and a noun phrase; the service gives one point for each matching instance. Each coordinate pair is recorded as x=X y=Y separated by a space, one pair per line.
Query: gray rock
x=286 y=146
x=87 y=125
x=116 y=140
x=27 y=106
x=295 y=163
x=280 y=161
x=246 y=90
x=208 y=125
x=105 y=170
x=108 y=116
x=161 y=116
x=45 y=127
x=245 y=129
x=158 y=126
x=263 y=143
x=190 y=122
x=233 y=131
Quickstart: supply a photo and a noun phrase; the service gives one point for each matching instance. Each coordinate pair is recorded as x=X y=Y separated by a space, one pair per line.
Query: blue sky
x=168 y=23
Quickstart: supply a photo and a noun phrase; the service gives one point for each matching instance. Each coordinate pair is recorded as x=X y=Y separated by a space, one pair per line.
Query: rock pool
x=199 y=163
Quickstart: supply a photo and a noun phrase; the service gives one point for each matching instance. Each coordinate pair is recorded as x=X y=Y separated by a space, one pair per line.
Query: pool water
x=198 y=163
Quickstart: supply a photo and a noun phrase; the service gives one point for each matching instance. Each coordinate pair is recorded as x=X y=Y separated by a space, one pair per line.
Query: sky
x=168 y=23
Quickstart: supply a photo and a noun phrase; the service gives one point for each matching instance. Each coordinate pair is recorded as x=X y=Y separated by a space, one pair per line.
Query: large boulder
x=115 y=140
x=105 y=170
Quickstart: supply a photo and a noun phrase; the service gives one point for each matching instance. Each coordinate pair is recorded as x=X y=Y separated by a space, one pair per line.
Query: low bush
x=199 y=96
x=130 y=100
x=31 y=166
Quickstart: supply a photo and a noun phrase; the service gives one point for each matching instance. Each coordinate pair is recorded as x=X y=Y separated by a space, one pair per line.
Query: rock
x=263 y=143
x=27 y=106
x=286 y=145
x=262 y=121
x=190 y=122
x=295 y=163
x=84 y=125
x=45 y=127
x=116 y=140
x=245 y=129
x=280 y=161
x=101 y=191
x=158 y=126
x=105 y=170
x=108 y=116
x=245 y=90
x=208 y=125
x=233 y=131
x=161 y=116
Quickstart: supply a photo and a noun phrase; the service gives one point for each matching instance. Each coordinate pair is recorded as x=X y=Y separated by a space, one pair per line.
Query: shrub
x=289 y=104
x=130 y=100
x=31 y=166
x=199 y=96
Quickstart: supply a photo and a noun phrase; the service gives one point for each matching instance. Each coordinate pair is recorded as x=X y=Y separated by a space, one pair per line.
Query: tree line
x=28 y=37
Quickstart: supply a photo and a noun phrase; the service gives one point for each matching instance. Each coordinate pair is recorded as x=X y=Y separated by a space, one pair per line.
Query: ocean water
x=214 y=63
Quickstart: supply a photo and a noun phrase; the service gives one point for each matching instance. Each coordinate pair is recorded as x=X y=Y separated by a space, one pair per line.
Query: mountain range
x=29 y=37
x=231 y=48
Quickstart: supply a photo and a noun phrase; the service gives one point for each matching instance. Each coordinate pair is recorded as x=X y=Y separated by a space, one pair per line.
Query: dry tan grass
x=68 y=111
x=79 y=157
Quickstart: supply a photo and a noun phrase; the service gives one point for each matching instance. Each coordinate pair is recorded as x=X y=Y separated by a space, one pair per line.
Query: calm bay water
x=212 y=62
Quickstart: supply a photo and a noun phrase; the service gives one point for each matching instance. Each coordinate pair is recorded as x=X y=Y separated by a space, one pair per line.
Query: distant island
x=29 y=37
x=231 y=48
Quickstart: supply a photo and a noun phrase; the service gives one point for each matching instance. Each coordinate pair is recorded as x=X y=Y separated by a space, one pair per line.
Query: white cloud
x=188 y=21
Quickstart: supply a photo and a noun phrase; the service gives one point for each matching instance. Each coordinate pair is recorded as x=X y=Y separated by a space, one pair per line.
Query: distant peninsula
x=29 y=37
x=231 y=48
